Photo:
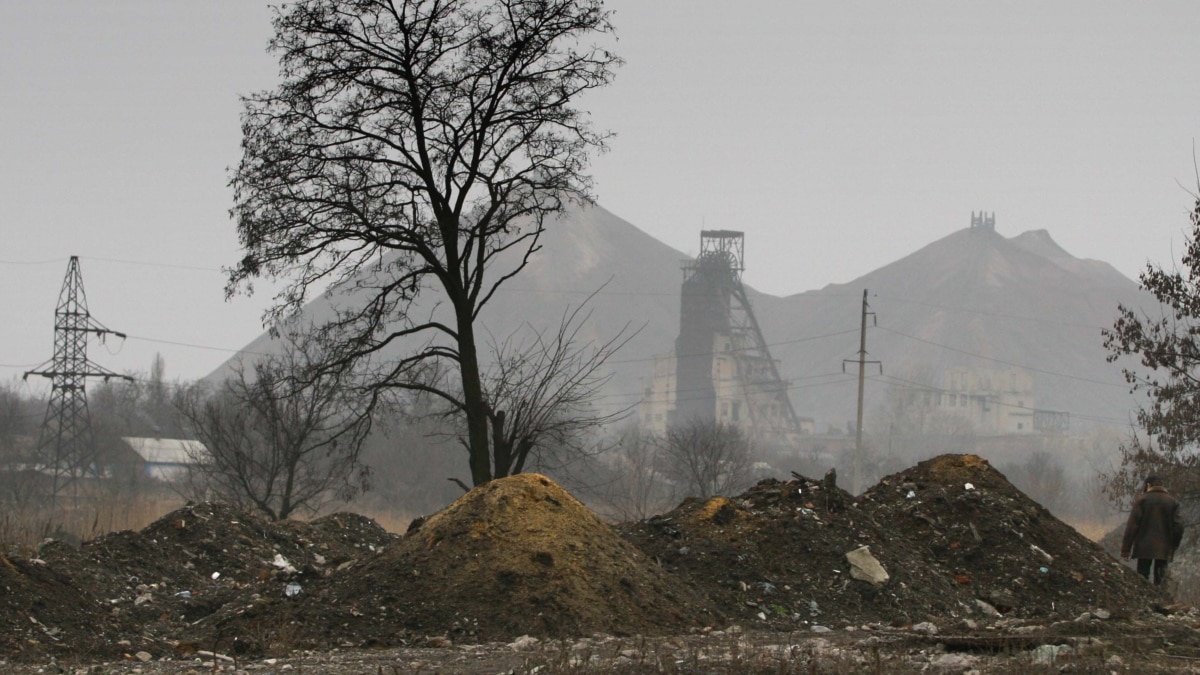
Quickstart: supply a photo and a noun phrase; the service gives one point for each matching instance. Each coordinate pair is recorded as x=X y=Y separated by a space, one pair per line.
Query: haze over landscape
x=840 y=139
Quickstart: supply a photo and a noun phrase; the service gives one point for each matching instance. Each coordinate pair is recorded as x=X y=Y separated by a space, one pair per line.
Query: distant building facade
x=994 y=401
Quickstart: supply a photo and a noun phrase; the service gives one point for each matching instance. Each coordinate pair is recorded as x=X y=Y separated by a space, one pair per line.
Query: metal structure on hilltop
x=717 y=323
x=66 y=447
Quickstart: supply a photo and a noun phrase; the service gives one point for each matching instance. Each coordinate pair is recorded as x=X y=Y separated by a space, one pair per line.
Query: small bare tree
x=540 y=394
x=706 y=458
x=281 y=436
x=639 y=487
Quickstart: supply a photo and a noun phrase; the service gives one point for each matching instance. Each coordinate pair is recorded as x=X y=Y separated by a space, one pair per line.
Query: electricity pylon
x=66 y=447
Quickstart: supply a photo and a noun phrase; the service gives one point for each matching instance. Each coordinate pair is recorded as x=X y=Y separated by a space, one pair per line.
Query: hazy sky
x=840 y=136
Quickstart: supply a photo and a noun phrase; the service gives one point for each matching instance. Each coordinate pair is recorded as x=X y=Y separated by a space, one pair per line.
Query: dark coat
x=1154 y=527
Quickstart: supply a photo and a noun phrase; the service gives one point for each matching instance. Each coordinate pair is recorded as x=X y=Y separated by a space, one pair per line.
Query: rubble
x=946 y=552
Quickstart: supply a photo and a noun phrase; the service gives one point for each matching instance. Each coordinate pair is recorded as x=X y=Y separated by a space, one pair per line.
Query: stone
x=864 y=567
x=925 y=628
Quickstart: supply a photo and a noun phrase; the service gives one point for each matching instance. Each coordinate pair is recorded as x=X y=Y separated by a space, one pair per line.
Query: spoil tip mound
x=997 y=545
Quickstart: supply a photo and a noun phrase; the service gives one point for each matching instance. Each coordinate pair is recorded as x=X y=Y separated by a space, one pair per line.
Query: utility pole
x=862 y=372
x=66 y=446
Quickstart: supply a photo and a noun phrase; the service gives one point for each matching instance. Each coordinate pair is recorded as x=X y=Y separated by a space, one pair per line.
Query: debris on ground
x=947 y=552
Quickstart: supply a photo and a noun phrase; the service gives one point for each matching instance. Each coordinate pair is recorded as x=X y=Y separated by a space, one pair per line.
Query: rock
x=144 y=656
x=986 y=607
x=925 y=628
x=1002 y=600
x=954 y=662
x=1047 y=654
x=864 y=567
x=523 y=643
x=1102 y=614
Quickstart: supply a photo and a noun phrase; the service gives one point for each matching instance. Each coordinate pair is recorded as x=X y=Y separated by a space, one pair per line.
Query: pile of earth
x=129 y=592
x=517 y=556
x=961 y=546
x=1000 y=546
x=962 y=549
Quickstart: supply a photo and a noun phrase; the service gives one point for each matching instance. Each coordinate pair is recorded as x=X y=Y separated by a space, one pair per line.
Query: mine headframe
x=716 y=319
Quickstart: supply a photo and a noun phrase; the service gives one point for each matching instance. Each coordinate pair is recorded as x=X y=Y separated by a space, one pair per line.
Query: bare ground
x=518 y=576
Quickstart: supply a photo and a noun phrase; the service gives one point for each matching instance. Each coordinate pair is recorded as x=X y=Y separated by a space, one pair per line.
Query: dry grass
x=80 y=519
x=1094 y=529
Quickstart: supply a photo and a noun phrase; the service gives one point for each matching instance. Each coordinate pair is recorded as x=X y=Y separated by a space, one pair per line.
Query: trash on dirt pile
x=956 y=538
x=144 y=587
x=954 y=547
x=517 y=556
x=997 y=544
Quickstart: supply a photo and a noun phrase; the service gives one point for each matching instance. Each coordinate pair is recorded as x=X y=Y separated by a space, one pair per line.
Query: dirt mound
x=958 y=544
x=192 y=562
x=45 y=613
x=775 y=557
x=998 y=545
x=516 y=556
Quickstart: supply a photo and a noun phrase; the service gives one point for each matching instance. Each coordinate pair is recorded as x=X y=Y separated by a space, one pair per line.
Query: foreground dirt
x=518 y=575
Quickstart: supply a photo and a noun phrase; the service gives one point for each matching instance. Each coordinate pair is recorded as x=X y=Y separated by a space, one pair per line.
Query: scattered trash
x=184 y=594
x=1037 y=549
x=912 y=494
x=292 y=589
x=969 y=486
x=282 y=564
x=216 y=575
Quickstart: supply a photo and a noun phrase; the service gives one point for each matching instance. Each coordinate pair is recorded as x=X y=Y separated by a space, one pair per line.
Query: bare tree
x=639 y=488
x=706 y=458
x=540 y=393
x=413 y=146
x=282 y=436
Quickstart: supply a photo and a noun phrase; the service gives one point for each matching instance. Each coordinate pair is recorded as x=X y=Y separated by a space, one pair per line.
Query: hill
x=973 y=298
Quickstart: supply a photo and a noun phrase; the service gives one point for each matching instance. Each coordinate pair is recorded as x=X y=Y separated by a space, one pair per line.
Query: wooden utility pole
x=862 y=372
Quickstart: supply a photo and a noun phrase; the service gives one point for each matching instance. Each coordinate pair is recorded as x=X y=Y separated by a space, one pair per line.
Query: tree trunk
x=478 y=448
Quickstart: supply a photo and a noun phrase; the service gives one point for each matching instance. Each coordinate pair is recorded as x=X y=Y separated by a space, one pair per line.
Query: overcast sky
x=840 y=136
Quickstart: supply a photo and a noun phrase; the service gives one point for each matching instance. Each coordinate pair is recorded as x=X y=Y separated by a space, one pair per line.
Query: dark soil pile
x=997 y=544
x=192 y=562
x=517 y=556
x=776 y=556
x=44 y=613
x=961 y=547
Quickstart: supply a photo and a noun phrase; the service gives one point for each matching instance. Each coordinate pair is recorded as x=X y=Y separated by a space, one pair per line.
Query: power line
x=1002 y=361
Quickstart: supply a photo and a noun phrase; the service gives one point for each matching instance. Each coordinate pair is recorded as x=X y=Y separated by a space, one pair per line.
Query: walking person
x=1153 y=531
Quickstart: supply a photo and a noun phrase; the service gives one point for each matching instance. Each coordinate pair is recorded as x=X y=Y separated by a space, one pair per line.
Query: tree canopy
x=1167 y=349
x=416 y=146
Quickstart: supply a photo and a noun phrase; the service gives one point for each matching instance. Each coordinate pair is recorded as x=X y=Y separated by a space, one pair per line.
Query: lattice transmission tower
x=66 y=447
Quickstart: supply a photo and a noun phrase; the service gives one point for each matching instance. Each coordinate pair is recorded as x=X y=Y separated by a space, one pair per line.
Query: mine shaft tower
x=66 y=447
x=724 y=370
